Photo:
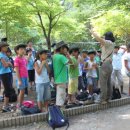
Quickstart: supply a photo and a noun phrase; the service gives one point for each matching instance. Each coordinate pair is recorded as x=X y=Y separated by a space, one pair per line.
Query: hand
x=68 y=55
x=44 y=62
x=29 y=54
x=9 y=64
x=19 y=82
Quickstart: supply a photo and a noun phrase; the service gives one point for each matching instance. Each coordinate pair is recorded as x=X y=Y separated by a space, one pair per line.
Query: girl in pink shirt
x=20 y=64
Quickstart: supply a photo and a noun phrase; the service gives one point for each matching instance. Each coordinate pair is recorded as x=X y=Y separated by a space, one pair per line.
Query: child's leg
x=40 y=92
x=90 y=85
x=46 y=103
x=26 y=90
x=21 y=96
x=39 y=105
x=70 y=98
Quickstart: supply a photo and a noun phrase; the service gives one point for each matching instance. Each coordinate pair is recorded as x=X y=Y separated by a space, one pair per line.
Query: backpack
x=83 y=96
x=116 y=93
x=30 y=110
x=56 y=118
x=28 y=104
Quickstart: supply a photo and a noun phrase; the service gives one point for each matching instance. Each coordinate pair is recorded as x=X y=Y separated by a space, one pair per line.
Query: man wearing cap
x=5 y=74
x=60 y=61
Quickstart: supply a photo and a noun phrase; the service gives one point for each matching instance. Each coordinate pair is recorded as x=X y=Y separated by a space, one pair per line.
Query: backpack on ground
x=30 y=110
x=116 y=93
x=28 y=104
x=83 y=96
x=56 y=118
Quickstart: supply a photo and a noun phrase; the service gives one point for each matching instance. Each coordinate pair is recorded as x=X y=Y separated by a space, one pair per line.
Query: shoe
x=96 y=98
x=89 y=96
x=6 y=109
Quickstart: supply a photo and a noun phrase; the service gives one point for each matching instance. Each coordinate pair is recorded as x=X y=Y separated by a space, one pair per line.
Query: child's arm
x=18 y=75
x=86 y=67
x=5 y=64
x=39 y=68
x=48 y=68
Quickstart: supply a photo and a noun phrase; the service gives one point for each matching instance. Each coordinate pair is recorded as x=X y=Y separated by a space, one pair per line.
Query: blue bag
x=56 y=118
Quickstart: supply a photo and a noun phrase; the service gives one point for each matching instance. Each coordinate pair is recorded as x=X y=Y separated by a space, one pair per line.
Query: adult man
x=117 y=66
x=60 y=61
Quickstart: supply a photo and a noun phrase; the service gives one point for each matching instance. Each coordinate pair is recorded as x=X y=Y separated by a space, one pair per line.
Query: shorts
x=7 y=83
x=31 y=75
x=24 y=84
x=92 y=81
x=73 y=86
x=43 y=92
x=60 y=94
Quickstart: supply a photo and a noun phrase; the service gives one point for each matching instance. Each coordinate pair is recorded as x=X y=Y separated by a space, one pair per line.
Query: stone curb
x=24 y=120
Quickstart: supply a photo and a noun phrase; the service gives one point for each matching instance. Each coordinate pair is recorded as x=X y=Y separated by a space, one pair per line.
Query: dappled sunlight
x=124 y=117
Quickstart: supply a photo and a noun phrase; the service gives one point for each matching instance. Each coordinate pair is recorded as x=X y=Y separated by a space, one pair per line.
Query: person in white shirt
x=42 y=80
x=91 y=67
x=117 y=66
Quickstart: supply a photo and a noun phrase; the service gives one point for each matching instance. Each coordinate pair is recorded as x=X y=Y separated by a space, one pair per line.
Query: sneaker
x=89 y=96
x=6 y=109
x=96 y=98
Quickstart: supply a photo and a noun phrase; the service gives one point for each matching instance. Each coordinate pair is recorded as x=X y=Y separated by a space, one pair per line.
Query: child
x=20 y=64
x=91 y=67
x=30 y=67
x=9 y=53
x=42 y=79
x=5 y=75
x=73 y=75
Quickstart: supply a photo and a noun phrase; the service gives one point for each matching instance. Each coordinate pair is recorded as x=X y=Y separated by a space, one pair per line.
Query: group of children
x=36 y=71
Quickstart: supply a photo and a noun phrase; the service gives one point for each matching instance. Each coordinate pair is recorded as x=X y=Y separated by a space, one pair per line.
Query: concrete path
x=112 y=119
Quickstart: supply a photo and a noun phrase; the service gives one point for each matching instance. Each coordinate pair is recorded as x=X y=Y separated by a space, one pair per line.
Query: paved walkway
x=112 y=119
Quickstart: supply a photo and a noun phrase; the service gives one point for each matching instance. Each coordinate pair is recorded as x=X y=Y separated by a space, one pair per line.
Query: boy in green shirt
x=60 y=61
x=73 y=75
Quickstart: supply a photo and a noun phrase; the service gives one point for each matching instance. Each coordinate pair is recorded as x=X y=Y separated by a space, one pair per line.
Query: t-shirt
x=73 y=68
x=98 y=60
x=117 y=61
x=21 y=63
x=127 y=57
x=4 y=70
x=107 y=49
x=30 y=63
x=60 y=68
x=85 y=60
x=93 y=72
x=43 y=77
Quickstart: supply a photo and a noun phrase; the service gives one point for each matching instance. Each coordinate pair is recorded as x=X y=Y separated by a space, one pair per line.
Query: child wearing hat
x=91 y=67
x=5 y=75
x=20 y=64
x=42 y=80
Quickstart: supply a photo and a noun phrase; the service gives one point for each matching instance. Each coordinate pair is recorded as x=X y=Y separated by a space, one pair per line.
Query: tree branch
x=43 y=28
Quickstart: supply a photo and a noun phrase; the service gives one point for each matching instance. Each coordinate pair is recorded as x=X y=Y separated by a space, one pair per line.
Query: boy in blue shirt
x=5 y=74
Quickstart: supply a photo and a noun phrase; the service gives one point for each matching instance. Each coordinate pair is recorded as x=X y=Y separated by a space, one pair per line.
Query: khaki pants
x=105 y=80
x=60 y=94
